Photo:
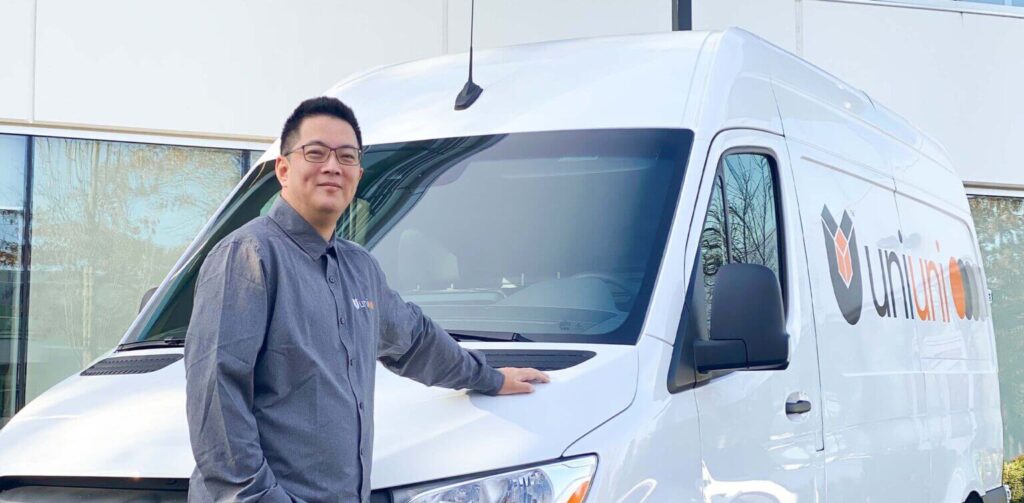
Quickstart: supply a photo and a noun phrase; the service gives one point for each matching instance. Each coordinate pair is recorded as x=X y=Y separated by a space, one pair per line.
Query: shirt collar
x=299 y=230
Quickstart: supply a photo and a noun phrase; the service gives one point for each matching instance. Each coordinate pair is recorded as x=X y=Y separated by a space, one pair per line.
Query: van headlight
x=565 y=481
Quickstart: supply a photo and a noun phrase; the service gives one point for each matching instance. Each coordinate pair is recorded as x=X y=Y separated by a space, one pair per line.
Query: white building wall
x=951 y=68
x=17 y=46
x=234 y=69
x=508 y=22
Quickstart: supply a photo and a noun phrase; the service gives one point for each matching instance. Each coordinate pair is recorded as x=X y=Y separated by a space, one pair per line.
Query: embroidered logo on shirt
x=364 y=304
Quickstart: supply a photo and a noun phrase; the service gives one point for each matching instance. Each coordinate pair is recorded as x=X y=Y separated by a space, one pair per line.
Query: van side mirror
x=145 y=297
x=748 y=325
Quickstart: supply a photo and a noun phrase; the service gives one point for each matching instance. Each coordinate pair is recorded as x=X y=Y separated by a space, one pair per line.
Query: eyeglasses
x=318 y=153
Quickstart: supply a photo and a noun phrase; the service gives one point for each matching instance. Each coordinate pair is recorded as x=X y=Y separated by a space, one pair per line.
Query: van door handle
x=798 y=407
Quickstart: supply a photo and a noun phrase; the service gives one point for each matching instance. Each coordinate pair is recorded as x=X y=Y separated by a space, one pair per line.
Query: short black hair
x=322 y=105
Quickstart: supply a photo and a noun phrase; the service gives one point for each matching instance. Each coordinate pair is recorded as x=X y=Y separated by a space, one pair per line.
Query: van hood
x=134 y=425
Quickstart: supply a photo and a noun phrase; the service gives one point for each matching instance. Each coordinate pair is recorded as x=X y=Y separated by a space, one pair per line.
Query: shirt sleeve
x=227 y=329
x=413 y=346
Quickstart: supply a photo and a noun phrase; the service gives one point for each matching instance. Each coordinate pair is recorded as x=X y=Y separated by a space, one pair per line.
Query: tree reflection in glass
x=999 y=222
x=109 y=220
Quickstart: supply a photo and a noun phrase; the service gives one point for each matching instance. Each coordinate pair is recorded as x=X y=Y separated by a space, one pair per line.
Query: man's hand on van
x=518 y=380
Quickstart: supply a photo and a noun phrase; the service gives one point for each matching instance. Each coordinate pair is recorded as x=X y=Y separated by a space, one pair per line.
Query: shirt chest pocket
x=323 y=329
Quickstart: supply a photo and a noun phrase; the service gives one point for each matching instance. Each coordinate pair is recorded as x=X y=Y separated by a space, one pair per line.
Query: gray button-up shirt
x=280 y=358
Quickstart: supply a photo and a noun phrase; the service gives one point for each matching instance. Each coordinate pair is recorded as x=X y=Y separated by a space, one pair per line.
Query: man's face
x=319 y=191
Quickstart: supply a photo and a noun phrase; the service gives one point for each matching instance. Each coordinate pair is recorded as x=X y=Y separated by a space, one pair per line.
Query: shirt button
x=360 y=405
x=331 y=279
x=341 y=320
x=352 y=362
x=362 y=452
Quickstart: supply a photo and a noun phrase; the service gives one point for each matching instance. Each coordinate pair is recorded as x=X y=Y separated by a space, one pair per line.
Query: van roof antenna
x=470 y=92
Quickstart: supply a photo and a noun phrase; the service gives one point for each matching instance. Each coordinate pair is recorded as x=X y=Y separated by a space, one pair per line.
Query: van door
x=761 y=431
x=876 y=440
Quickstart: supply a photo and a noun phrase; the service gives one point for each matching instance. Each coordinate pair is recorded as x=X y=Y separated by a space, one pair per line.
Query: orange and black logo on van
x=902 y=286
x=844 y=264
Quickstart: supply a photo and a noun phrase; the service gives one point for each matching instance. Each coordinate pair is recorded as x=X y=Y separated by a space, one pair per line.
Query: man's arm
x=413 y=346
x=228 y=326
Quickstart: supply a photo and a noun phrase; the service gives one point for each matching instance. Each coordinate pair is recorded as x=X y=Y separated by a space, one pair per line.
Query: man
x=288 y=324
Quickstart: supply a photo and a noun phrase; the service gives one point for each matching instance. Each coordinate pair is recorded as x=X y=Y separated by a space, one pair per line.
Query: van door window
x=750 y=195
x=741 y=226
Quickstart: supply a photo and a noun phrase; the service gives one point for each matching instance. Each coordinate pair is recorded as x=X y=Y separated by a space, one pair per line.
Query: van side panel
x=651 y=450
x=876 y=441
x=956 y=340
x=872 y=386
x=927 y=374
x=732 y=86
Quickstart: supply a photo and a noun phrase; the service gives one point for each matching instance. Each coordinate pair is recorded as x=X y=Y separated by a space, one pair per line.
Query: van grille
x=120 y=365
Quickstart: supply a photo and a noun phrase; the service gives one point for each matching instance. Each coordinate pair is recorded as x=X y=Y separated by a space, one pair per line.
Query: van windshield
x=556 y=236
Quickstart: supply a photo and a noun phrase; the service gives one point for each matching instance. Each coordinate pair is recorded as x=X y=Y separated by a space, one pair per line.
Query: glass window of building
x=1016 y=3
x=13 y=157
x=254 y=155
x=1000 y=225
x=109 y=220
x=965 y=3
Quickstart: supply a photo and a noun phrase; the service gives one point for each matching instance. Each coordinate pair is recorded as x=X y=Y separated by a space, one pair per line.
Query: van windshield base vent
x=539 y=359
x=121 y=365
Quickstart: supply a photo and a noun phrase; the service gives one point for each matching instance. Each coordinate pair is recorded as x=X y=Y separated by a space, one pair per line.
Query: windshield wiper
x=159 y=343
x=481 y=335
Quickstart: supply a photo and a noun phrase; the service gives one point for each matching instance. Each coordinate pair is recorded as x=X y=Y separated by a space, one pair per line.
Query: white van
x=748 y=281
